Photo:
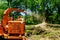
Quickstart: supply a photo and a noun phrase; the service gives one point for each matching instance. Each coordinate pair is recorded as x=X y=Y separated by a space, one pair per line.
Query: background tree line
x=41 y=10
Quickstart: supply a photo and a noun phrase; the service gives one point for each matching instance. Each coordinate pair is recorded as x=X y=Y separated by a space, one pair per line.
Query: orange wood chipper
x=12 y=29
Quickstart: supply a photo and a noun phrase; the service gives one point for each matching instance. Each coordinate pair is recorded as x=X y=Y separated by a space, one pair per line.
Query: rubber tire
x=1 y=38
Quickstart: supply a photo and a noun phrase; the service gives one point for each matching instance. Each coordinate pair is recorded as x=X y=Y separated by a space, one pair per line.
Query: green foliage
x=46 y=8
x=3 y=6
x=29 y=20
x=1 y=14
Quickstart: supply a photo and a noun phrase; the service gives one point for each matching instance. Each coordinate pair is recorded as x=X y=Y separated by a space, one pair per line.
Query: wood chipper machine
x=12 y=29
